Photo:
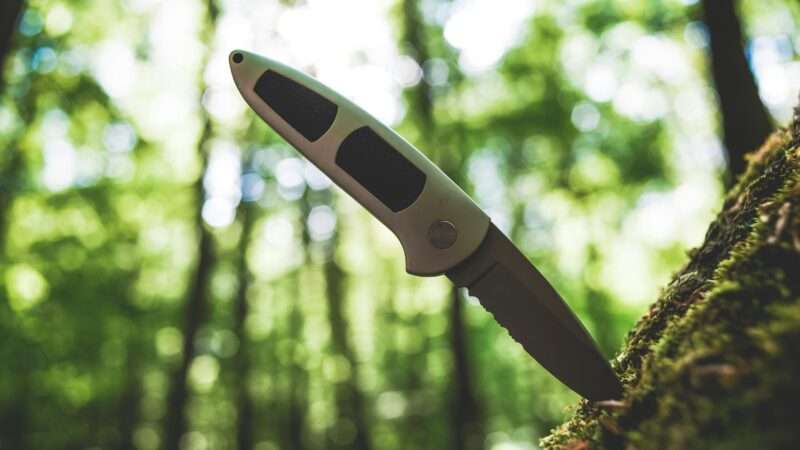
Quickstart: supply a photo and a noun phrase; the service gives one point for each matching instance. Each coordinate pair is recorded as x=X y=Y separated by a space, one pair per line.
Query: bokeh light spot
x=26 y=287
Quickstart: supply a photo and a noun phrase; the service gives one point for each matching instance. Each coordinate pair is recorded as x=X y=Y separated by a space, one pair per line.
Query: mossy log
x=715 y=361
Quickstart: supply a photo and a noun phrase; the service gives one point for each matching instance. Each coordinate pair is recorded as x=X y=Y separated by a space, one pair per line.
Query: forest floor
x=714 y=363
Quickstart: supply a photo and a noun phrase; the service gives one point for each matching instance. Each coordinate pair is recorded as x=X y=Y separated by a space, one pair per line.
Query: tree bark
x=745 y=120
x=714 y=362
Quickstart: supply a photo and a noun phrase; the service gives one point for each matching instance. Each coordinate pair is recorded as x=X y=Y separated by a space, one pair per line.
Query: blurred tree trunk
x=715 y=361
x=10 y=13
x=403 y=367
x=11 y=179
x=14 y=415
x=418 y=423
x=128 y=406
x=468 y=430
x=298 y=378
x=195 y=315
x=467 y=427
x=349 y=398
x=241 y=362
x=12 y=161
x=196 y=303
x=745 y=120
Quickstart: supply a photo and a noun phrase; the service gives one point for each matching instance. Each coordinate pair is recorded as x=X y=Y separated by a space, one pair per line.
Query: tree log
x=715 y=361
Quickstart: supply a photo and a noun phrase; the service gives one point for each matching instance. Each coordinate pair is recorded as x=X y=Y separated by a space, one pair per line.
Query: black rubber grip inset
x=380 y=168
x=306 y=111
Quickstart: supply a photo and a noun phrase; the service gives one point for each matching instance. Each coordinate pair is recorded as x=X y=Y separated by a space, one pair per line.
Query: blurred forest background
x=173 y=275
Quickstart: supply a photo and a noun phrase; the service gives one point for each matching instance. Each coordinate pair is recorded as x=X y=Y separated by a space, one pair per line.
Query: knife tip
x=607 y=387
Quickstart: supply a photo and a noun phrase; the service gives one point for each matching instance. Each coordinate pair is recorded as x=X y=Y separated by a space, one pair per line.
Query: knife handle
x=437 y=224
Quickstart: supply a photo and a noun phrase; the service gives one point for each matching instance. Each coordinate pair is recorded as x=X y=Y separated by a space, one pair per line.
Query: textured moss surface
x=715 y=362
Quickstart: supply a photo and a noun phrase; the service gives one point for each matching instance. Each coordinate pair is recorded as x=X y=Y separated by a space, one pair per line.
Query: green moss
x=715 y=361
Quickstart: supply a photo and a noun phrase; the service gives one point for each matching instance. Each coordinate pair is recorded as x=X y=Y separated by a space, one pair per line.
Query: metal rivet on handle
x=442 y=234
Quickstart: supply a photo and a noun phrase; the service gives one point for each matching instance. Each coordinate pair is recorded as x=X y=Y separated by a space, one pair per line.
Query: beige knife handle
x=437 y=224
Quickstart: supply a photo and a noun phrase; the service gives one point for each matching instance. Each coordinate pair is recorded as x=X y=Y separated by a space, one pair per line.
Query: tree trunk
x=714 y=363
x=10 y=13
x=15 y=415
x=467 y=428
x=295 y=429
x=350 y=403
x=128 y=406
x=196 y=304
x=241 y=363
x=195 y=314
x=745 y=121
x=298 y=378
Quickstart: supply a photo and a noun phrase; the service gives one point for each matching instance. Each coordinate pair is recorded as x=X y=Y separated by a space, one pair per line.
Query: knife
x=441 y=230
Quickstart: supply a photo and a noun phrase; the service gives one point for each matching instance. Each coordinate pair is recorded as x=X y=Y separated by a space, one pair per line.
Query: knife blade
x=522 y=300
x=441 y=230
